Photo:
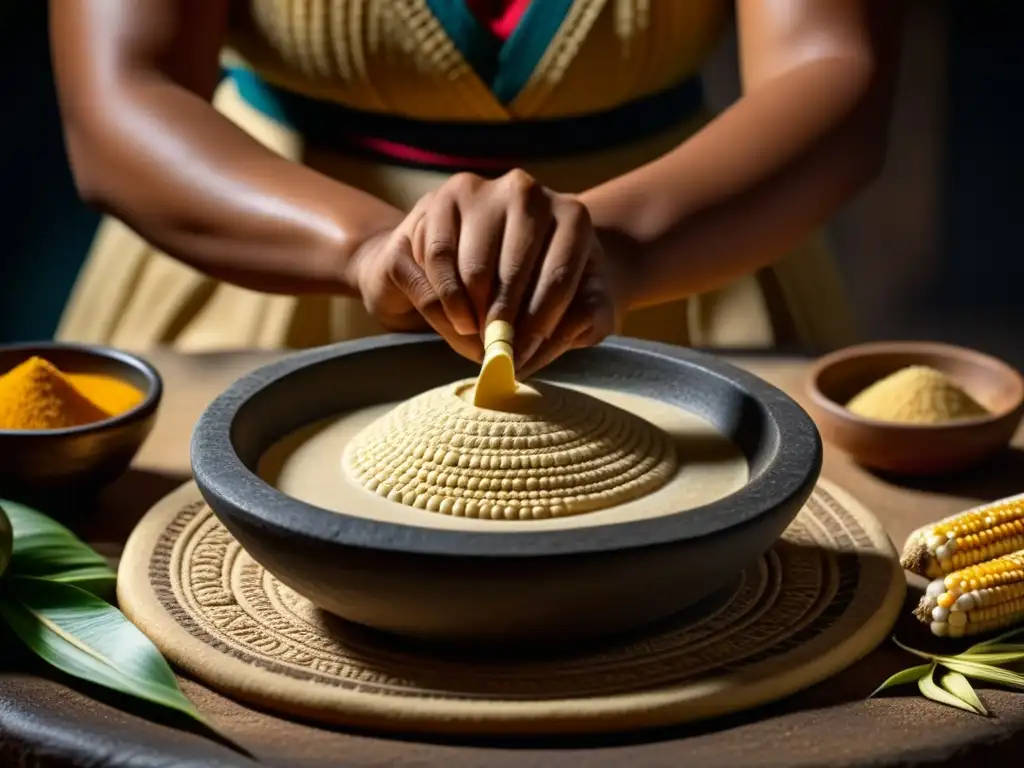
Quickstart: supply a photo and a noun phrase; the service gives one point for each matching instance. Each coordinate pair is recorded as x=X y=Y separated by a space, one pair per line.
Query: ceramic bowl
x=504 y=586
x=45 y=463
x=910 y=448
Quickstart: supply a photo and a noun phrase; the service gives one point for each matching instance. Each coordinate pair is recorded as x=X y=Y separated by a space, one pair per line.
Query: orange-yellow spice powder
x=112 y=395
x=37 y=395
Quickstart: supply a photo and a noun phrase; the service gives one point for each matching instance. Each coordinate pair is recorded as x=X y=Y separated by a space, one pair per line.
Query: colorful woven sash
x=483 y=147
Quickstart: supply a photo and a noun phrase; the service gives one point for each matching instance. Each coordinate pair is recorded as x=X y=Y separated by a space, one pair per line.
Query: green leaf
x=960 y=686
x=915 y=652
x=932 y=691
x=985 y=672
x=997 y=640
x=98 y=581
x=996 y=657
x=995 y=648
x=911 y=675
x=87 y=638
x=6 y=542
x=44 y=547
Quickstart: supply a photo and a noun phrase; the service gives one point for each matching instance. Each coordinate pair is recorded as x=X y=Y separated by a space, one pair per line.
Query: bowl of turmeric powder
x=915 y=408
x=72 y=416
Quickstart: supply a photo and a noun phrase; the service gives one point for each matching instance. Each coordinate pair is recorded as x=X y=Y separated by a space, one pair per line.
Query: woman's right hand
x=396 y=292
x=477 y=250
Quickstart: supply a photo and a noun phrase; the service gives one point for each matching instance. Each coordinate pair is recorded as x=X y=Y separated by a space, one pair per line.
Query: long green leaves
x=942 y=694
x=45 y=548
x=911 y=675
x=946 y=678
x=52 y=598
x=89 y=639
x=942 y=685
x=6 y=542
x=959 y=687
x=998 y=639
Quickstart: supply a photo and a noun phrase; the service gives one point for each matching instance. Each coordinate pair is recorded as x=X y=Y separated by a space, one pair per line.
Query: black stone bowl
x=484 y=587
x=53 y=466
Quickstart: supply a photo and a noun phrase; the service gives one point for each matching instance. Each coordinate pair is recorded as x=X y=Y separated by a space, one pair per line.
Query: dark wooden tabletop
x=47 y=720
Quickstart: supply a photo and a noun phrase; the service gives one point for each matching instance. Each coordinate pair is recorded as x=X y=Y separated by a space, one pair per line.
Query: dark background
x=929 y=251
x=932 y=249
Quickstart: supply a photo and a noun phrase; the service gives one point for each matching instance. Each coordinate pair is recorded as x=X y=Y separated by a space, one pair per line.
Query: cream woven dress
x=411 y=58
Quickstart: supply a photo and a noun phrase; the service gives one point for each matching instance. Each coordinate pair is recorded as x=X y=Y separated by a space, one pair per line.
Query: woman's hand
x=477 y=250
x=396 y=291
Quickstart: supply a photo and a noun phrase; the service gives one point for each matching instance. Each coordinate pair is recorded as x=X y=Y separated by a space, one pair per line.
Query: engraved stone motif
x=802 y=588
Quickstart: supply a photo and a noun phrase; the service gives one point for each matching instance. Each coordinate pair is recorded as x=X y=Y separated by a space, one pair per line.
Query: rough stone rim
x=232 y=489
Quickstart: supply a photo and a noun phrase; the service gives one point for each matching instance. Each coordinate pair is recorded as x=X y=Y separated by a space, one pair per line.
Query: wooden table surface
x=832 y=722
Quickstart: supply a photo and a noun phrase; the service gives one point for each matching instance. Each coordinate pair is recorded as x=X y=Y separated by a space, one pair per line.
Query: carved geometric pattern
x=823 y=580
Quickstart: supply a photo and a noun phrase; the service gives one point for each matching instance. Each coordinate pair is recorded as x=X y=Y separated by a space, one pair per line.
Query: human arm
x=135 y=79
x=808 y=133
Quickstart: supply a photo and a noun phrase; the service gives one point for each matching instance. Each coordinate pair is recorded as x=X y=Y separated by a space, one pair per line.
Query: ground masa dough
x=550 y=452
x=616 y=456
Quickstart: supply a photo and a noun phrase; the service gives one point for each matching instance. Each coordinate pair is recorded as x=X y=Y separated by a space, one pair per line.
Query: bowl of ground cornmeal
x=382 y=480
x=916 y=407
x=72 y=416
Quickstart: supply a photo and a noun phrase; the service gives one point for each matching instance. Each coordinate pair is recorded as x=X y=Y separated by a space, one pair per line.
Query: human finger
x=561 y=341
x=558 y=276
x=480 y=237
x=589 y=319
x=528 y=223
x=438 y=238
x=596 y=303
x=410 y=278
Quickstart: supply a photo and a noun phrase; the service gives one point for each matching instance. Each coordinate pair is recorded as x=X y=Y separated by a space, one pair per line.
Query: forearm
x=744 y=190
x=196 y=186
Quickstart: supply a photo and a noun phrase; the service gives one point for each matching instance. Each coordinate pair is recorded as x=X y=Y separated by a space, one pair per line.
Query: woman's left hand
x=510 y=249
x=594 y=312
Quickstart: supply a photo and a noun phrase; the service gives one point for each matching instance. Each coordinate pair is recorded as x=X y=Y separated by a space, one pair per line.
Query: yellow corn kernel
x=978 y=534
x=980 y=598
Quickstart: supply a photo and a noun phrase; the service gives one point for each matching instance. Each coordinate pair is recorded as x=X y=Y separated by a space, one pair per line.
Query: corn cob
x=976 y=599
x=968 y=538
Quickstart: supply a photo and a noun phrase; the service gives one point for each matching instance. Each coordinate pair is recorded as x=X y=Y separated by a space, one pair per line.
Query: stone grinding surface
x=825 y=595
x=677 y=460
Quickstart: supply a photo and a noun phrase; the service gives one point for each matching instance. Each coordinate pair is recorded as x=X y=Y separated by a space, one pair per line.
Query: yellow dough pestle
x=496 y=384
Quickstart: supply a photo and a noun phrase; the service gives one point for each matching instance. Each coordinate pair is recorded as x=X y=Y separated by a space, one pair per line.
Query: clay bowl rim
x=790 y=472
x=934 y=348
x=149 y=403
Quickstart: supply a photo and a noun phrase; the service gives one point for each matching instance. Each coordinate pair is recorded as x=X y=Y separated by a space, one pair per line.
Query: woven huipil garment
x=388 y=95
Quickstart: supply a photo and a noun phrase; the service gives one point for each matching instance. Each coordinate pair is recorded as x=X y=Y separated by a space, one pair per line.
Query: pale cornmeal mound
x=916 y=394
x=562 y=453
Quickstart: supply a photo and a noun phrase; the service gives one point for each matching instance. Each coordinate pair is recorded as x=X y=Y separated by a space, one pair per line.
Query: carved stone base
x=825 y=595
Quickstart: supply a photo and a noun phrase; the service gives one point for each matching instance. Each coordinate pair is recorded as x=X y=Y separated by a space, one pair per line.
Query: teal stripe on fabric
x=477 y=45
x=527 y=45
x=255 y=92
